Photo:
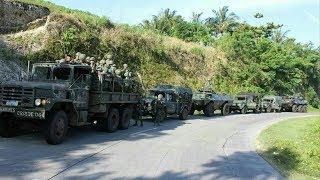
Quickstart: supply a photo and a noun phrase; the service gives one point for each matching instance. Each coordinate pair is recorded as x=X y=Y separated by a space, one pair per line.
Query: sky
x=300 y=17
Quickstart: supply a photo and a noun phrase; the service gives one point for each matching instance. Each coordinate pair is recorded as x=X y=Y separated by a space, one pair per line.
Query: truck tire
x=294 y=108
x=225 y=110
x=56 y=128
x=244 y=110
x=125 y=117
x=184 y=114
x=304 y=109
x=192 y=111
x=112 y=121
x=208 y=110
x=8 y=127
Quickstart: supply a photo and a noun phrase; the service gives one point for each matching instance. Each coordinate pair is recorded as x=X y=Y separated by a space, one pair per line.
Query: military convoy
x=209 y=101
x=80 y=92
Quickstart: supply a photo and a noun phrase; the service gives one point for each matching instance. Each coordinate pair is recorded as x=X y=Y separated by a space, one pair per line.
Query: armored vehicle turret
x=294 y=104
x=177 y=101
x=209 y=101
x=245 y=102
x=60 y=95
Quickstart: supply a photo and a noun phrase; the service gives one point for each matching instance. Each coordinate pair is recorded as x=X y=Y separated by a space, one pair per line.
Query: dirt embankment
x=17 y=16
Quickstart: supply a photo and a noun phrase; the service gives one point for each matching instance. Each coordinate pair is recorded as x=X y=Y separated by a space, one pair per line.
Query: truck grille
x=23 y=96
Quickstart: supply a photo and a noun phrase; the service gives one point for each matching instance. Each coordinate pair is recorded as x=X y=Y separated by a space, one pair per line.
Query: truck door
x=171 y=104
x=251 y=103
x=81 y=87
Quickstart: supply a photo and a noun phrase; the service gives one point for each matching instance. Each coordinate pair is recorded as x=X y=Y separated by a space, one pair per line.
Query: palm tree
x=222 y=21
x=196 y=17
x=163 y=22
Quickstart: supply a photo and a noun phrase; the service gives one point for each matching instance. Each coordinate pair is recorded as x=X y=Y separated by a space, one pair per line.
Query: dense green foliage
x=293 y=146
x=233 y=56
x=261 y=58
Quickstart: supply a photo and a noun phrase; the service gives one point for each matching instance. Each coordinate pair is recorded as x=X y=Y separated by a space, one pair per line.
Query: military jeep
x=177 y=101
x=57 y=96
x=294 y=103
x=209 y=101
x=271 y=103
x=245 y=102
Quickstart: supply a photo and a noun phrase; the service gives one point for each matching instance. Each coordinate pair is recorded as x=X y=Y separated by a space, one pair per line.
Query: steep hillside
x=159 y=59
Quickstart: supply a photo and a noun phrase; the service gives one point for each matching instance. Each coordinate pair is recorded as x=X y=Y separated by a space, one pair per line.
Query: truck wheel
x=244 y=110
x=184 y=114
x=304 y=109
x=8 y=127
x=225 y=110
x=56 y=128
x=112 y=120
x=208 y=110
x=125 y=117
x=294 y=108
x=192 y=111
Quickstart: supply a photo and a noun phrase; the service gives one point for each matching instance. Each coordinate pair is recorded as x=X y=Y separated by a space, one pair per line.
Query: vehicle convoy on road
x=177 y=101
x=294 y=103
x=209 y=101
x=61 y=95
x=271 y=103
x=245 y=102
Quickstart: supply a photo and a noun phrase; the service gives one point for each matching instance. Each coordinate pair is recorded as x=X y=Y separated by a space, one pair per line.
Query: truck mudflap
x=24 y=113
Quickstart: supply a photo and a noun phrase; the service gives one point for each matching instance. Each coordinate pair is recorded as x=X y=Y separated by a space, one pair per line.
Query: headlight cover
x=37 y=102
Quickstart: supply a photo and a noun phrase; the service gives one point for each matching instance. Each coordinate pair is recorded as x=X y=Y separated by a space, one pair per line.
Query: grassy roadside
x=312 y=109
x=293 y=147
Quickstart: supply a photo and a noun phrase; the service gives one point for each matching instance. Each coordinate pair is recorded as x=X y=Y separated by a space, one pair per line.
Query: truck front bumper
x=37 y=113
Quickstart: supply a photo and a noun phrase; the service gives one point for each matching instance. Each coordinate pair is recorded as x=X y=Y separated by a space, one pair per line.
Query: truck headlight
x=45 y=102
x=37 y=102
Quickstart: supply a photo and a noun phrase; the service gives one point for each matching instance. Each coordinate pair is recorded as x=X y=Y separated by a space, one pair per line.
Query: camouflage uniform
x=159 y=107
x=137 y=114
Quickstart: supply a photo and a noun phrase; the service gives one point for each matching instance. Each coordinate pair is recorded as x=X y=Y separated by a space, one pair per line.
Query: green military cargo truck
x=245 y=102
x=57 y=96
x=176 y=101
x=271 y=103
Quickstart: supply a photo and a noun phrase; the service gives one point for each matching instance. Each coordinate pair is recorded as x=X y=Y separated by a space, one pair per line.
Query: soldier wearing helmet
x=159 y=107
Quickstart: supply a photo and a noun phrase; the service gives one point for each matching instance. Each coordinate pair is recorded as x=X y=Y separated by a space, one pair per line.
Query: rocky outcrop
x=17 y=16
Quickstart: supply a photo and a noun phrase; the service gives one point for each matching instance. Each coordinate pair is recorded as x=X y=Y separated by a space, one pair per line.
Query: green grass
x=293 y=146
x=312 y=109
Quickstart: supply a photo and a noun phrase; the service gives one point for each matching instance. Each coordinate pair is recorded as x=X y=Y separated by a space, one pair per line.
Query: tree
x=196 y=17
x=163 y=22
x=222 y=21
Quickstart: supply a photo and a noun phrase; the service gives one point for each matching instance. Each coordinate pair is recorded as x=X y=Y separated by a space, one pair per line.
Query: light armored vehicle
x=209 y=101
x=60 y=95
x=271 y=103
x=294 y=104
x=177 y=101
x=245 y=102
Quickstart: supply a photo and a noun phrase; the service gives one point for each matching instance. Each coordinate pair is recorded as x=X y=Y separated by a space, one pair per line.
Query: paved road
x=199 y=148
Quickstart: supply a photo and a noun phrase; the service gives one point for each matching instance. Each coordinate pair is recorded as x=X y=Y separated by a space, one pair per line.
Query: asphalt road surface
x=198 y=148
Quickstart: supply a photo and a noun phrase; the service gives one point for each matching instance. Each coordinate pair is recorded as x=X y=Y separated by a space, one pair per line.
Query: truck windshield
x=61 y=73
x=41 y=73
x=240 y=98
